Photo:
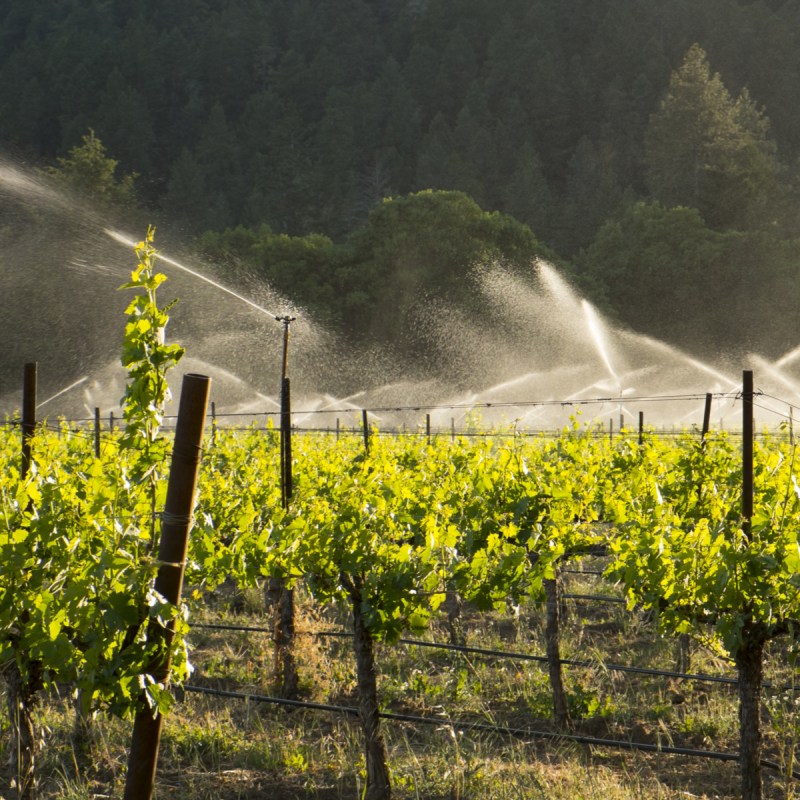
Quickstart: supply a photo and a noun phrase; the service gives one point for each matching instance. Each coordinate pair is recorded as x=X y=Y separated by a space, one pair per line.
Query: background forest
x=649 y=147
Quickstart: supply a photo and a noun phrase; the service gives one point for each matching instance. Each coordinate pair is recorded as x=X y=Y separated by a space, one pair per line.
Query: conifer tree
x=709 y=151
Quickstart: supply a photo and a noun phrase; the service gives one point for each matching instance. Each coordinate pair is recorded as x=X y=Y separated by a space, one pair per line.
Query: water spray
x=63 y=391
x=118 y=237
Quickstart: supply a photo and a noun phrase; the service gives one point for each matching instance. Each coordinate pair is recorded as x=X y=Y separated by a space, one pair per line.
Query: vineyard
x=496 y=614
x=448 y=535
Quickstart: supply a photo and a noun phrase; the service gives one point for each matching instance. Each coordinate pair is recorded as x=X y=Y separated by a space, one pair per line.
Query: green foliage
x=148 y=358
x=416 y=248
x=76 y=535
x=652 y=251
x=551 y=117
x=91 y=173
x=649 y=251
x=708 y=151
x=400 y=526
x=298 y=266
x=686 y=553
x=421 y=248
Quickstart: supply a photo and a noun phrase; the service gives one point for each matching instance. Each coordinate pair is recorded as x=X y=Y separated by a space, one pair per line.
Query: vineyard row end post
x=175 y=525
x=28 y=421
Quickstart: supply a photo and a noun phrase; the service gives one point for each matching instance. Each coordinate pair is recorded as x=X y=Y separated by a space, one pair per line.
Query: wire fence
x=524 y=734
x=344 y=421
x=445 y=720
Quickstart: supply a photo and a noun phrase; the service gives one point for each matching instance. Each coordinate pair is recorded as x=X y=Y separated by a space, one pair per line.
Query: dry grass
x=221 y=748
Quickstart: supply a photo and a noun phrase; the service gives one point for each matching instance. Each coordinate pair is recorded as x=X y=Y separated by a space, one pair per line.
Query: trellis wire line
x=583 y=571
x=467 y=406
x=596 y=432
x=105 y=438
x=503 y=404
x=772 y=411
x=777 y=399
x=57 y=427
x=504 y=654
x=482 y=727
x=600 y=598
x=543 y=659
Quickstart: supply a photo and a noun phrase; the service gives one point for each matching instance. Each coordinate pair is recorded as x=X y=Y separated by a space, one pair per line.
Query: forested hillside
x=653 y=144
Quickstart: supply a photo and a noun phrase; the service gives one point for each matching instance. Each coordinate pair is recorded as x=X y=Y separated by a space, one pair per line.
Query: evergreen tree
x=90 y=172
x=709 y=151
x=458 y=68
x=434 y=166
x=527 y=196
x=126 y=122
x=184 y=202
x=592 y=191
x=400 y=126
x=216 y=153
x=338 y=158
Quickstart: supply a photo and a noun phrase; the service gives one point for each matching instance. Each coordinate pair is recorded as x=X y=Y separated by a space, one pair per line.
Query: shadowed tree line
x=273 y=131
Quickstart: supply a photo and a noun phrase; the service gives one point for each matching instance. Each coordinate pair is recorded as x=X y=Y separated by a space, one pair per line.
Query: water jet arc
x=118 y=237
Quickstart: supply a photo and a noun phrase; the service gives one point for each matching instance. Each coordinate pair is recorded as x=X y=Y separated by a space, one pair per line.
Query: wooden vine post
x=553 y=651
x=28 y=420
x=96 y=432
x=23 y=682
x=376 y=756
x=747 y=449
x=684 y=659
x=365 y=429
x=749 y=655
x=175 y=524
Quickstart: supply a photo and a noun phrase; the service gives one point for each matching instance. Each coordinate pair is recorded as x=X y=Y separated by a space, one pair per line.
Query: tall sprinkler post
x=286 y=416
x=283 y=622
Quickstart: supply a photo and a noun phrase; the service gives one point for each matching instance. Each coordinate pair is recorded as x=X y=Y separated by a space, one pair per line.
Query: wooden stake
x=96 y=432
x=747 y=450
x=706 y=418
x=175 y=523
x=28 y=415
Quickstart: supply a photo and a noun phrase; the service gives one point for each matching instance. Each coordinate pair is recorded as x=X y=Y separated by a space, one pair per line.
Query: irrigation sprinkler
x=284 y=618
x=286 y=415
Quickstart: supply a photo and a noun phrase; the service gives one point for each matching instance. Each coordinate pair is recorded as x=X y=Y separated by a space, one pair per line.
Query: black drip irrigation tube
x=594 y=598
x=481 y=727
x=482 y=651
x=662 y=673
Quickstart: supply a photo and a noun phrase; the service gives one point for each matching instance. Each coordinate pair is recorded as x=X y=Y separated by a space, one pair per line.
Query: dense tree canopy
x=412 y=248
x=301 y=114
x=92 y=173
x=708 y=151
x=294 y=119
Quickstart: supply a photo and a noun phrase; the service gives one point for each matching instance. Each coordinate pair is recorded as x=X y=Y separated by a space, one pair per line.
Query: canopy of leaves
x=91 y=173
x=709 y=151
x=410 y=250
x=303 y=116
